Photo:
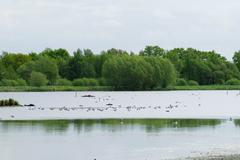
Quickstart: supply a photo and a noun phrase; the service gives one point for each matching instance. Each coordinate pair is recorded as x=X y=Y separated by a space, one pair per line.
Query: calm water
x=129 y=139
x=169 y=104
x=130 y=125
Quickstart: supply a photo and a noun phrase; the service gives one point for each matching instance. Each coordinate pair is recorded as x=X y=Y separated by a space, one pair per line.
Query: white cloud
x=27 y=25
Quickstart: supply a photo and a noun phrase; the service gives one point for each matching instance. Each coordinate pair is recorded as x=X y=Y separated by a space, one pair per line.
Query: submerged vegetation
x=150 y=69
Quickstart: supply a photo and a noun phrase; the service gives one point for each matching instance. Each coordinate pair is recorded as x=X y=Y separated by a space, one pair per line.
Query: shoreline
x=109 y=88
x=214 y=157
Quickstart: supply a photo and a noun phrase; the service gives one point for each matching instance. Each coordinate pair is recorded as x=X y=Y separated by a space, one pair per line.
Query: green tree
x=152 y=51
x=56 y=54
x=236 y=59
x=38 y=79
x=48 y=67
x=14 y=60
x=26 y=69
x=128 y=72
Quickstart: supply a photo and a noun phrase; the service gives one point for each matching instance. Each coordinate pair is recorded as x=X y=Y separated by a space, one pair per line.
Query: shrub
x=192 y=83
x=9 y=82
x=233 y=81
x=92 y=82
x=85 y=82
x=181 y=82
x=63 y=82
x=21 y=82
x=38 y=79
x=102 y=82
x=78 y=82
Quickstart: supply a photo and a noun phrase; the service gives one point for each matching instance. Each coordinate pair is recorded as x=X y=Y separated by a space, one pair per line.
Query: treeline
x=151 y=68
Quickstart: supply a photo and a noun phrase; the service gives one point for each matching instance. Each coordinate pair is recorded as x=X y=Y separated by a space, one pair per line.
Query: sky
x=33 y=25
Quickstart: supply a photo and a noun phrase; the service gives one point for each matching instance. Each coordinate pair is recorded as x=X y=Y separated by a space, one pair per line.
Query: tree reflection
x=237 y=122
x=111 y=125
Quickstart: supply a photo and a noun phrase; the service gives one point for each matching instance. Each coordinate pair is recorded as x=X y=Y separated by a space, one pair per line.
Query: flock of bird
x=107 y=106
x=104 y=105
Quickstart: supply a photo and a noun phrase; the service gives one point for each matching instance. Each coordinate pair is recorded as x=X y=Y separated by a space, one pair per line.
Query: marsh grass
x=109 y=88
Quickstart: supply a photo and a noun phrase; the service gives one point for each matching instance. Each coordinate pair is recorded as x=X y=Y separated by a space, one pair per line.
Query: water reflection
x=111 y=125
x=237 y=122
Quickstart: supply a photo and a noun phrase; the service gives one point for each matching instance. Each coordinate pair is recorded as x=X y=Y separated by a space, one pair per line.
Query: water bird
x=29 y=105
x=88 y=95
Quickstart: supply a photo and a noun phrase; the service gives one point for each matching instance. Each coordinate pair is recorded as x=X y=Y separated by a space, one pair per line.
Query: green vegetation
x=233 y=81
x=192 y=83
x=8 y=102
x=85 y=82
x=53 y=88
x=63 y=82
x=205 y=87
x=151 y=69
x=38 y=79
x=181 y=82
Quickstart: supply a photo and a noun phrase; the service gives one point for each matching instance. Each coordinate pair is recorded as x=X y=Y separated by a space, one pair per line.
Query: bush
x=38 y=79
x=102 y=82
x=21 y=82
x=233 y=81
x=85 y=82
x=192 y=83
x=92 y=82
x=78 y=82
x=181 y=82
x=8 y=82
x=63 y=82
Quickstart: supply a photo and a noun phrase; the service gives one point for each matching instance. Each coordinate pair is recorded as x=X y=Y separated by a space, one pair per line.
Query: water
x=169 y=104
x=141 y=139
x=120 y=125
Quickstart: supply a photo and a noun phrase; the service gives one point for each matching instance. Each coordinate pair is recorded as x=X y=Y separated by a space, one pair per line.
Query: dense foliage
x=153 y=67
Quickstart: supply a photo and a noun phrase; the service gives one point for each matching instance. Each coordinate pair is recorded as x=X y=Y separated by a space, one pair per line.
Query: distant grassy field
x=109 y=88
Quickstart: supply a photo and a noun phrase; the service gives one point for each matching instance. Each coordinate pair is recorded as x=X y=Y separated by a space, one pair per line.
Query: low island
x=8 y=102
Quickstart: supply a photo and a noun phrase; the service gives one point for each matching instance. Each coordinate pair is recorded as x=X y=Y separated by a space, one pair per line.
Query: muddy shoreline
x=215 y=157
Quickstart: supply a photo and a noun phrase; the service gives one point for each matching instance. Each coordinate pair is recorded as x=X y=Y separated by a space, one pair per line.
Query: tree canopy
x=150 y=68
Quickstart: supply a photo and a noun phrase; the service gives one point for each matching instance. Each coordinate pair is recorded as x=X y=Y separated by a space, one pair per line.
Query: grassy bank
x=109 y=88
x=207 y=87
x=53 y=88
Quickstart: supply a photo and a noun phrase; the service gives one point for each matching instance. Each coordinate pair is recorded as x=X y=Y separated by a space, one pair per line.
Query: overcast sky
x=32 y=25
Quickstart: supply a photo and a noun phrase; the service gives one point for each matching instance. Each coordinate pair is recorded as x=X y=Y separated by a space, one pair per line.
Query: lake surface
x=120 y=125
x=164 y=104
x=129 y=139
x=169 y=104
